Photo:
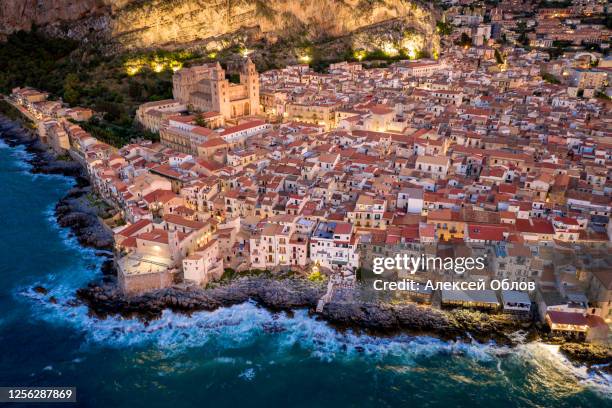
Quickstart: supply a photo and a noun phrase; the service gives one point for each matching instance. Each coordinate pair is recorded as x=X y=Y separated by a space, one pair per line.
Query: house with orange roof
x=436 y=166
x=368 y=212
x=278 y=244
x=449 y=224
x=204 y=265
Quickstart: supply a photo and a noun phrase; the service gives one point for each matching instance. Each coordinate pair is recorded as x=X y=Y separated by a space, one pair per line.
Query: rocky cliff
x=139 y=24
x=18 y=15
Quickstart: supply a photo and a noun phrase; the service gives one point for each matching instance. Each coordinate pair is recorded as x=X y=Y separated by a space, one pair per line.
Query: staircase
x=327 y=296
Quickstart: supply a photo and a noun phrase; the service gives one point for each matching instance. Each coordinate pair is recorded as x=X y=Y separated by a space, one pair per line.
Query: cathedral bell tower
x=219 y=92
x=250 y=78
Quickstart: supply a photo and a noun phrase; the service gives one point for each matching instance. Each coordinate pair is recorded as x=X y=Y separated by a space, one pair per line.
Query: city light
x=131 y=70
x=390 y=49
x=245 y=52
x=411 y=46
x=134 y=66
x=360 y=55
x=175 y=65
x=158 y=64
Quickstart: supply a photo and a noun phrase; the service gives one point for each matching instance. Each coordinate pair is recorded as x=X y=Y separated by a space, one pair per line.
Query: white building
x=410 y=200
x=333 y=244
x=278 y=245
x=436 y=166
x=205 y=265
x=245 y=130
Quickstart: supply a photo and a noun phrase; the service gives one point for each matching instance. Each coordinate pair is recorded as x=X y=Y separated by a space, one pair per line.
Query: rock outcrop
x=589 y=354
x=105 y=299
x=137 y=24
x=75 y=210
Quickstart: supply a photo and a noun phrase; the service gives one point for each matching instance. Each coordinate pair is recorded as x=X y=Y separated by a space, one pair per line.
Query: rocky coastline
x=73 y=211
x=346 y=310
x=377 y=318
x=105 y=299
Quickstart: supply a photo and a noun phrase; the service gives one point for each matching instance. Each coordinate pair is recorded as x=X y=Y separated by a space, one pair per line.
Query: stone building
x=205 y=88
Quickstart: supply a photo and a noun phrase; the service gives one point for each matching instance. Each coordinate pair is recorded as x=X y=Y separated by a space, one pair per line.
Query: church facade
x=204 y=88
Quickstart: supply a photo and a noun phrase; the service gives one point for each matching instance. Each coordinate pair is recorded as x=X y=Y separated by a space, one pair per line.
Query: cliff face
x=136 y=24
x=18 y=15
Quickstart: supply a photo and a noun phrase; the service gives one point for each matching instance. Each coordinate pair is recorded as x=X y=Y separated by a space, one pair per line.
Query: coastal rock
x=48 y=165
x=345 y=311
x=364 y=315
x=420 y=318
x=41 y=158
x=108 y=268
x=105 y=299
x=589 y=353
x=73 y=212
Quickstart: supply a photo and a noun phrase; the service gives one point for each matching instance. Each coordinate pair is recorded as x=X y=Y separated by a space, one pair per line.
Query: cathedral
x=204 y=88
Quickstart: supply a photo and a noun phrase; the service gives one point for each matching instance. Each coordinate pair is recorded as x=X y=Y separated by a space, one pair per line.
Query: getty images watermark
x=408 y=264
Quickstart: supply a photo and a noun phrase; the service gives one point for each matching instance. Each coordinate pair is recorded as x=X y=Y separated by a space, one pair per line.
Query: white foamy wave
x=22 y=159
x=248 y=374
x=69 y=240
x=561 y=373
x=20 y=152
x=242 y=325
x=62 y=284
x=225 y=360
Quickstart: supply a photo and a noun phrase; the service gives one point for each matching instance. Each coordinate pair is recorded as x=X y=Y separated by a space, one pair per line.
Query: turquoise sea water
x=238 y=355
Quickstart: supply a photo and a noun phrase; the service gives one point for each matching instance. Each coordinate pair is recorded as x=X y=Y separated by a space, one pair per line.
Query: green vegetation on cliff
x=30 y=58
x=114 y=85
x=13 y=113
x=115 y=135
x=84 y=78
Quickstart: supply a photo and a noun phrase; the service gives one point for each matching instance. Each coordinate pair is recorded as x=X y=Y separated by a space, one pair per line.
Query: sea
x=243 y=355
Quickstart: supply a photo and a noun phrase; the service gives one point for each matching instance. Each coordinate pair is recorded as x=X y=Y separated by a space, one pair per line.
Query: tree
x=550 y=78
x=521 y=28
x=498 y=57
x=135 y=90
x=72 y=93
x=444 y=28
x=199 y=120
x=71 y=80
x=71 y=96
x=465 y=40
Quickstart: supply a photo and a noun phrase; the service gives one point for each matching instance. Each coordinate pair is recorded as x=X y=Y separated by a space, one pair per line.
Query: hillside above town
x=119 y=25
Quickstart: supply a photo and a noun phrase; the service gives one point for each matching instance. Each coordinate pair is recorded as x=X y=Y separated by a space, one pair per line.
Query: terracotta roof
x=575 y=319
x=133 y=228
